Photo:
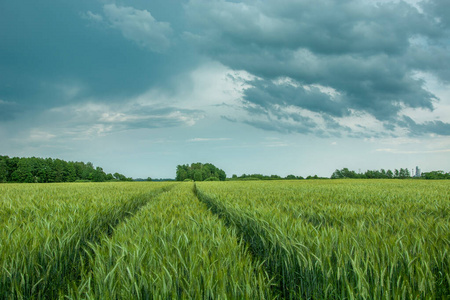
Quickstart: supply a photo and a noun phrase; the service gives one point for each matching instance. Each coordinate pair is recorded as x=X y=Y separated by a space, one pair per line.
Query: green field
x=323 y=239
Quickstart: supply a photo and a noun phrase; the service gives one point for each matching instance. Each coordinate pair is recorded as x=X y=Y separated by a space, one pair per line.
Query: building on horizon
x=418 y=173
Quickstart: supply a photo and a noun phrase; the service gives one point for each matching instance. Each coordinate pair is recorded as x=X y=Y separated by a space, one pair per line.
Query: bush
x=212 y=179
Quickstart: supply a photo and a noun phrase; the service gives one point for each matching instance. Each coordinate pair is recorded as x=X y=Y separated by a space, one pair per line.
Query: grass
x=173 y=248
x=43 y=241
x=324 y=239
x=343 y=239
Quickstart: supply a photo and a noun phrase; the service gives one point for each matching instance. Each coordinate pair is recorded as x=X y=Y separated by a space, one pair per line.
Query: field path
x=40 y=257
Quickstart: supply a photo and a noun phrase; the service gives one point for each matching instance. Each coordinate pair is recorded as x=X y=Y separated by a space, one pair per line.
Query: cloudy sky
x=255 y=86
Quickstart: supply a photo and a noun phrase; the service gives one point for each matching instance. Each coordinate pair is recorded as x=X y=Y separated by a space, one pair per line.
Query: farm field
x=322 y=239
x=347 y=239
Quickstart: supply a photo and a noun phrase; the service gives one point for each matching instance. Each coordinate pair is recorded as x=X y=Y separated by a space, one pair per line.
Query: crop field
x=303 y=239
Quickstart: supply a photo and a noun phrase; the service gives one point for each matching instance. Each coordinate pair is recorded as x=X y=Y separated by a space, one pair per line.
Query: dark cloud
x=114 y=118
x=88 y=46
x=271 y=125
x=367 y=53
x=324 y=26
x=147 y=117
x=266 y=93
x=435 y=127
x=334 y=59
x=137 y=25
x=440 y=9
x=8 y=110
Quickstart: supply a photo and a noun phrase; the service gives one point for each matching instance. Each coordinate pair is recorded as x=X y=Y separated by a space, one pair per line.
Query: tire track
x=60 y=260
x=281 y=258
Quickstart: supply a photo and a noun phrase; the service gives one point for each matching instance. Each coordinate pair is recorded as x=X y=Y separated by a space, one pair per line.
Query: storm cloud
x=368 y=53
x=234 y=82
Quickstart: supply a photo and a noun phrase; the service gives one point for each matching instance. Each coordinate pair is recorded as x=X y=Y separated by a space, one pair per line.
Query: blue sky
x=273 y=87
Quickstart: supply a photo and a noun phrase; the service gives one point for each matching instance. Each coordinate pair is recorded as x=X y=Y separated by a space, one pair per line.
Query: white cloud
x=89 y=120
x=3 y=102
x=65 y=90
x=208 y=139
x=275 y=144
x=139 y=26
x=441 y=109
x=40 y=136
x=397 y=151
x=92 y=16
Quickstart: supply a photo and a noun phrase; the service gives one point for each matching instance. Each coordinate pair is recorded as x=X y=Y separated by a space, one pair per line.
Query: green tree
x=198 y=175
x=98 y=175
x=71 y=172
x=59 y=170
x=3 y=170
x=222 y=175
x=199 y=172
x=436 y=175
x=23 y=173
x=389 y=174
x=343 y=173
x=403 y=173
x=182 y=173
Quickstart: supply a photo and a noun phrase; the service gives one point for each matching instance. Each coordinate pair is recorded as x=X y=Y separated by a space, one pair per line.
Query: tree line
x=34 y=169
x=380 y=174
x=435 y=175
x=263 y=177
x=200 y=172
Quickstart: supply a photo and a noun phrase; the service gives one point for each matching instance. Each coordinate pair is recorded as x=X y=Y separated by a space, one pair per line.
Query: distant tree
x=59 y=170
x=23 y=173
x=98 y=175
x=336 y=175
x=343 y=173
x=211 y=179
x=182 y=172
x=372 y=174
x=396 y=173
x=435 y=175
x=3 y=170
x=149 y=179
x=389 y=174
x=198 y=175
x=12 y=164
x=33 y=169
x=71 y=172
x=221 y=174
x=199 y=172
x=403 y=173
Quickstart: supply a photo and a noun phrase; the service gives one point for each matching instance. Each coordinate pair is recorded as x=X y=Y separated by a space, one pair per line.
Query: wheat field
x=302 y=239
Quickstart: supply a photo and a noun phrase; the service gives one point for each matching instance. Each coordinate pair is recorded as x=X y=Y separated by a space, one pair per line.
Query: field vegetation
x=173 y=248
x=362 y=239
x=315 y=239
x=46 y=229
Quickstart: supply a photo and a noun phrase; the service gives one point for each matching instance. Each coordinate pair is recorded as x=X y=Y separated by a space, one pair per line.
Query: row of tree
x=263 y=177
x=200 y=172
x=346 y=173
x=33 y=169
x=401 y=174
x=435 y=175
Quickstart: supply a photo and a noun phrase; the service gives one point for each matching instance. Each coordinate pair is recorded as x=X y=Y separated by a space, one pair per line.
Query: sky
x=271 y=87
